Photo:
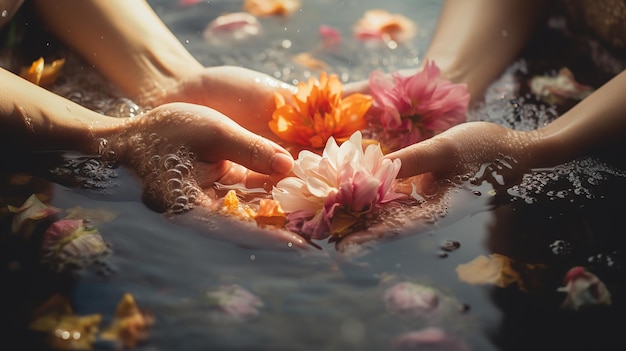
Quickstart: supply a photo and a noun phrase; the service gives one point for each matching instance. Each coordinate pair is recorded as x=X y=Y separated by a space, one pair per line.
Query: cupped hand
x=451 y=174
x=465 y=147
x=180 y=150
x=246 y=96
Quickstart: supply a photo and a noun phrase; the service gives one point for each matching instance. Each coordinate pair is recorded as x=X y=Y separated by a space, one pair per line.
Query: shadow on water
x=544 y=222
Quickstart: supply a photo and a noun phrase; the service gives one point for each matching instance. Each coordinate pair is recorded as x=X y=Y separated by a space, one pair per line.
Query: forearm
x=597 y=123
x=32 y=117
x=475 y=40
x=124 y=39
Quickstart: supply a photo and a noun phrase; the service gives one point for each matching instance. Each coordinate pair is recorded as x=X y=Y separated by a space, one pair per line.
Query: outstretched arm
x=598 y=123
x=33 y=117
x=475 y=40
x=125 y=40
x=132 y=47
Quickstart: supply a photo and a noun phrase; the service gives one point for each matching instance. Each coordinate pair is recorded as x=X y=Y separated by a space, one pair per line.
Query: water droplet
x=5 y=13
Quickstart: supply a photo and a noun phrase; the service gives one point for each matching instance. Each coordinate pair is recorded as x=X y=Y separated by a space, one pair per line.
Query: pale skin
x=201 y=107
x=474 y=41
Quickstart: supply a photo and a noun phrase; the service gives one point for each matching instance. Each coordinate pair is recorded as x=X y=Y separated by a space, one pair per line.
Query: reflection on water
x=544 y=223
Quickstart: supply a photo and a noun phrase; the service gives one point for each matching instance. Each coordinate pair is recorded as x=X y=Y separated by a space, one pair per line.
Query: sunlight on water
x=336 y=295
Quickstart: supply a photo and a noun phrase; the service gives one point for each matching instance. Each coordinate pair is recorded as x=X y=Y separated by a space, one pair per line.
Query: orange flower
x=318 y=112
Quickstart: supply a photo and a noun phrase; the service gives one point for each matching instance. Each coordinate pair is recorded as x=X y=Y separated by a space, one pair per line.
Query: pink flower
x=330 y=192
x=583 y=288
x=419 y=106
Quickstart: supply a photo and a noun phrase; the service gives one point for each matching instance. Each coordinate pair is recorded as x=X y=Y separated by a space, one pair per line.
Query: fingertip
x=282 y=163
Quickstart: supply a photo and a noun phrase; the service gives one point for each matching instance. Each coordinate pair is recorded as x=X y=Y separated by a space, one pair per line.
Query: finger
x=250 y=150
x=229 y=173
x=360 y=87
x=431 y=155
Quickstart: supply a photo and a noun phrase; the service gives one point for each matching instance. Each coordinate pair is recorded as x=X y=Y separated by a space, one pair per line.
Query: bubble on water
x=561 y=247
x=167 y=170
x=610 y=260
x=86 y=172
x=450 y=245
x=124 y=107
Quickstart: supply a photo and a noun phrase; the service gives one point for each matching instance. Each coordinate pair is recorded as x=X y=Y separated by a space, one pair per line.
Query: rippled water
x=321 y=299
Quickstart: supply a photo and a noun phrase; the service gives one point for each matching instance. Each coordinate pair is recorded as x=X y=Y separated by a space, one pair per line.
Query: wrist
x=161 y=74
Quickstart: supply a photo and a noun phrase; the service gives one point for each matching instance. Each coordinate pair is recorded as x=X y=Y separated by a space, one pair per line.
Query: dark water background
x=320 y=300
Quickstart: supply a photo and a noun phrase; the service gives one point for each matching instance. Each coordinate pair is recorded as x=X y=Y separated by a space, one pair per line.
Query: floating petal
x=559 y=89
x=130 y=324
x=232 y=26
x=235 y=302
x=411 y=299
x=41 y=73
x=380 y=24
x=31 y=210
x=584 y=288
x=271 y=7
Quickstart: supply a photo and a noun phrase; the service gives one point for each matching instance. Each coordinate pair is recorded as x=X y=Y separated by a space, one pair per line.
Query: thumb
x=252 y=151
x=430 y=155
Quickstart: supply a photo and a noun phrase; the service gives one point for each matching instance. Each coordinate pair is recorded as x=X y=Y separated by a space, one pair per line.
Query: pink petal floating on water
x=329 y=34
x=235 y=302
x=232 y=26
x=411 y=299
x=430 y=338
x=69 y=242
x=584 y=288
x=188 y=2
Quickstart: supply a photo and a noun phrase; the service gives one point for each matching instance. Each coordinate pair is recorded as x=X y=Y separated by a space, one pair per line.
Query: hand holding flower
x=180 y=150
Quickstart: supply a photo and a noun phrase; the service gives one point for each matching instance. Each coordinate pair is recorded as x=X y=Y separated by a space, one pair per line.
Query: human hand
x=180 y=150
x=446 y=172
x=244 y=95
x=465 y=147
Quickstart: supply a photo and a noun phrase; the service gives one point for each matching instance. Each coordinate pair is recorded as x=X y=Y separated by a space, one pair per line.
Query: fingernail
x=282 y=163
